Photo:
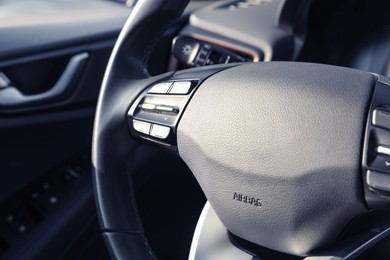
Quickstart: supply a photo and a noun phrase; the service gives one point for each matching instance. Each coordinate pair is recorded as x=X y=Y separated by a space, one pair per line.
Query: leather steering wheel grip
x=125 y=77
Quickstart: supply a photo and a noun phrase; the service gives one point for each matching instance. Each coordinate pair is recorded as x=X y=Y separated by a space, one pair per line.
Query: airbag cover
x=276 y=147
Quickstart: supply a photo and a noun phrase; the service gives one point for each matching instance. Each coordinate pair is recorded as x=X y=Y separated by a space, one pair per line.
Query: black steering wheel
x=287 y=154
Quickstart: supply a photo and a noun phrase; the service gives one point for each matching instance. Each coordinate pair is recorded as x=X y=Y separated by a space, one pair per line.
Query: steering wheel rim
x=125 y=80
x=117 y=212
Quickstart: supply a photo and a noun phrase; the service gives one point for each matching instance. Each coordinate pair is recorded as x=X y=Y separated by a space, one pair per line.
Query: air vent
x=245 y=4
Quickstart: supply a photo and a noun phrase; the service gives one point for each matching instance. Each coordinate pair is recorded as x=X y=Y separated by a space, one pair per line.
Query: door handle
x=11 y=97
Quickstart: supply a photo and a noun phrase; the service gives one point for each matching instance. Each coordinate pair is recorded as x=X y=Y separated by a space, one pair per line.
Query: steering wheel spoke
x=155 y=114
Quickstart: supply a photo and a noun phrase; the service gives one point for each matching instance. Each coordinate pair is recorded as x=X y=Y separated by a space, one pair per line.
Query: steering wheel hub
x=285 y=138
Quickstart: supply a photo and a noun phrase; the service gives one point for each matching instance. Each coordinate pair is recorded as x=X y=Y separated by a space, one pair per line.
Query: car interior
x=137 y=129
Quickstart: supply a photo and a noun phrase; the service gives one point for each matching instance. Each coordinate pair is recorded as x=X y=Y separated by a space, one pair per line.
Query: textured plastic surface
x=276 y=147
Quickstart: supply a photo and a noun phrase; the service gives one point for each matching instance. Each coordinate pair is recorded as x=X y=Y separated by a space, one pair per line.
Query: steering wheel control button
x=167 y=109
x=180 y=88
x=384 y=150
x=381 y=118
x=148 y=106
x=160 y=131
x=154 y=115
x=376 y=153
x=380 y=163
x=378 y=181
x=141 y=127
x=160 y=88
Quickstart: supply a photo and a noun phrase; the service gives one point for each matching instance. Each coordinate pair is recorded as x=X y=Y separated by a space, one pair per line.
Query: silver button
x=167 y=109
x=159 y=131
x=148 y=106
x=180 y=88
x=161 y=88
x=383 y=150
x=141 y=127
x=163 y=108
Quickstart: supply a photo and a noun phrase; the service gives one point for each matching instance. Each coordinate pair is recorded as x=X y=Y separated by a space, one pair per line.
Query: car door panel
x=53 y=55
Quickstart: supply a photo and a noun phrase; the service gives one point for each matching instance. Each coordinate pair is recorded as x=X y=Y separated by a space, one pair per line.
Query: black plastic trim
x=11 y=97
x=375 y=136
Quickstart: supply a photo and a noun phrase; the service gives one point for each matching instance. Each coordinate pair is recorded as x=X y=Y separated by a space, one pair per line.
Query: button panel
x=376 y=153
x=155 y=114
x=28 y=211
